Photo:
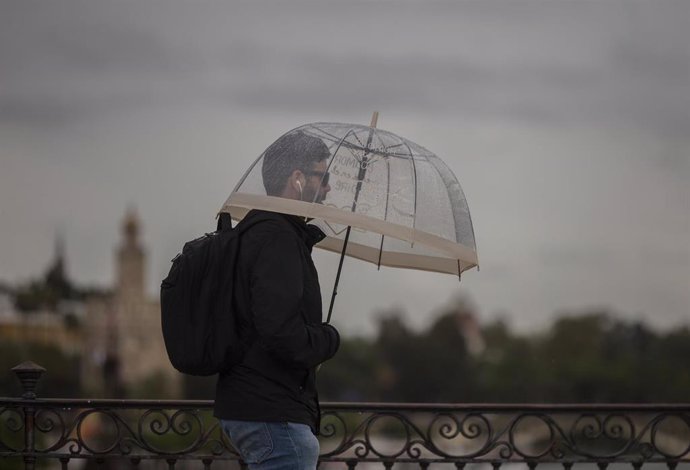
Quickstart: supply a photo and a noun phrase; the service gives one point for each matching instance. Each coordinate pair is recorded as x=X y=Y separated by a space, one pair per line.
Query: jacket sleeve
x=276 y=293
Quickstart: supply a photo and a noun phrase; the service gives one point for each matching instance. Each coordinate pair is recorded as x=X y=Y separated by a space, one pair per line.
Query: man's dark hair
x=293 y=151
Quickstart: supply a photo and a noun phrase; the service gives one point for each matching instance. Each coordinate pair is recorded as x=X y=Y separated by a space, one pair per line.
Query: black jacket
x=278 y=305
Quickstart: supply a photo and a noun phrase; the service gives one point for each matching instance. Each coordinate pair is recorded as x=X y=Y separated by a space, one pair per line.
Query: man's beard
x=316 y=198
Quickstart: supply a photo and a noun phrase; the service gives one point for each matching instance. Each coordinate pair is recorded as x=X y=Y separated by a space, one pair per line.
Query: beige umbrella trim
x=238 y=204
x=396 y=259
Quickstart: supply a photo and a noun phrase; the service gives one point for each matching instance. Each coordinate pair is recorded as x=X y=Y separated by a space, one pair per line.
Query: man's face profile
x=316 y=187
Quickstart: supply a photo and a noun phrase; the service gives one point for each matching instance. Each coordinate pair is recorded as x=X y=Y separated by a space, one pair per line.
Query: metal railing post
x=29 y=375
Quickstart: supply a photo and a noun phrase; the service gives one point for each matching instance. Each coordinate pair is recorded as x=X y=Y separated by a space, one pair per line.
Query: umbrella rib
x=440 y=165
x=334 y=137
x=414 y=173
x=336 y=150
x=362 y=147
x=318 y=129
x=437 y=163
x=378 y=264
x=396 y=145
x=246 y=173
x=377 y=151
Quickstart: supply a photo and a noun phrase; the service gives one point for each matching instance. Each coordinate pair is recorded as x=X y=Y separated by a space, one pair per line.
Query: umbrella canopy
x=405 y=206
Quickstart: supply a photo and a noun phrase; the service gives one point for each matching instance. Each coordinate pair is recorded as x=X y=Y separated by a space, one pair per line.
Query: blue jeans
x=273 y=446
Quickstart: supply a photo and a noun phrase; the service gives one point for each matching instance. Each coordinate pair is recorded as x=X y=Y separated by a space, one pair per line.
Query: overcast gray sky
x=567 y=124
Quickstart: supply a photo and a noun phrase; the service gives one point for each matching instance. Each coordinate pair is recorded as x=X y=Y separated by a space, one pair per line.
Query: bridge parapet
x=142 y=434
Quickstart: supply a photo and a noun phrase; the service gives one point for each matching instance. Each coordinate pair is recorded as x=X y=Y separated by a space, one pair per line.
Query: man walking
x=268 y=403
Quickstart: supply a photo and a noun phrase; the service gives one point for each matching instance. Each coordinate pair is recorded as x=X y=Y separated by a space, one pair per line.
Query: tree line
x=587 y=357
x=591 y=357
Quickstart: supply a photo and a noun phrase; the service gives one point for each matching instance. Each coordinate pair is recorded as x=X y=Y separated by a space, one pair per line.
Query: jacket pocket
x=265 y=364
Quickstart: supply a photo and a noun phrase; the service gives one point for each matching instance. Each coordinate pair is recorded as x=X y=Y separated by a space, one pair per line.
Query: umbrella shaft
x=360 y=179
x=362 y=172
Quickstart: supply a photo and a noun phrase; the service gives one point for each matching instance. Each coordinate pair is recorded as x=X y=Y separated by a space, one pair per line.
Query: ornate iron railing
x=183 y=434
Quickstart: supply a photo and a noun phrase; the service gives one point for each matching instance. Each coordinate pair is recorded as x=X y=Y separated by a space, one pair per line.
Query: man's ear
x=297 y=180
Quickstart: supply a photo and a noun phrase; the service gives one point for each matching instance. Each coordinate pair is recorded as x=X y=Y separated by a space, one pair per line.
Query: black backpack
x=199 y=326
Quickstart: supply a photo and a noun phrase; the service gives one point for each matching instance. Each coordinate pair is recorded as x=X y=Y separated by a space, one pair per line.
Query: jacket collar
x=310 y=234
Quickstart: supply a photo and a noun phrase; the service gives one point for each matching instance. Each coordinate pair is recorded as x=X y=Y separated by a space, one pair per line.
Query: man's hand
x=336 y=340
x=335 y=337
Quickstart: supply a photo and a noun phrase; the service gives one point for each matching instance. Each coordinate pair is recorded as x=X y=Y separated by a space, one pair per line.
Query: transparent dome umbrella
x=391 y=202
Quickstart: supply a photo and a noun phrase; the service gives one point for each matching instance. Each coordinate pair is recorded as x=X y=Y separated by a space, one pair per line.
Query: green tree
x=350 y=375
x=506 y=372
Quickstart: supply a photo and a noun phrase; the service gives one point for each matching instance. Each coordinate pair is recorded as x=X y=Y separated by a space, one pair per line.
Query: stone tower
x=142 y=362
x=130 y=260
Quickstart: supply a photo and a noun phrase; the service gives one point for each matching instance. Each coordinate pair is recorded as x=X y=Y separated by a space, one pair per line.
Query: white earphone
x=299 y=185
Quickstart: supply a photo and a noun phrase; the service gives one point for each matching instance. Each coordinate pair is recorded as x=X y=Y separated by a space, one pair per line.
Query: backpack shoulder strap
x=224 y=222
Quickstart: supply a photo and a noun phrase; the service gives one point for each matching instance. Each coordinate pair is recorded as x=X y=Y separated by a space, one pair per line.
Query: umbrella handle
x=374 y=119
x=337 y=276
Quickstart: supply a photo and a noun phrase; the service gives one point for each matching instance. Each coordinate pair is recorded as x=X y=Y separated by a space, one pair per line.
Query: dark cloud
x=533 y=100
x=544 y=94
x=34 y=112
x=85 y=56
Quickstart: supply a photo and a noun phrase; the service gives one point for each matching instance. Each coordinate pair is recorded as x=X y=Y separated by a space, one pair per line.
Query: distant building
x=471 y=331
x=116 y=332
x=6 y=305
x=123 y=344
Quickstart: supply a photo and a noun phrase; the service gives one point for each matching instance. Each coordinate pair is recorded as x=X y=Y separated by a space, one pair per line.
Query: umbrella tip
x=374 y=119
